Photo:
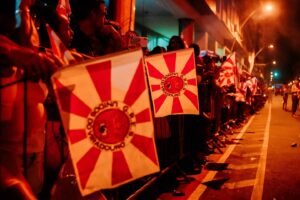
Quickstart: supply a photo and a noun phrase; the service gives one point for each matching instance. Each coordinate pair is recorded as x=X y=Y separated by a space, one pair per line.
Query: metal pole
x=243 y=24
x=258 y=52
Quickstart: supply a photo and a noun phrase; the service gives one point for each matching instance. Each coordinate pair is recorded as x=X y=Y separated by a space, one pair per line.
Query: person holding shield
x=23 y=74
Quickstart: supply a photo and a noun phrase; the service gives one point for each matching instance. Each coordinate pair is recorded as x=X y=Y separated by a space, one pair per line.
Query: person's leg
x=287 y=98
x=294 y=104
x=285 y=101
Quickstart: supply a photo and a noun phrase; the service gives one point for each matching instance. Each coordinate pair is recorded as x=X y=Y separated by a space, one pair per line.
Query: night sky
x=286 y=32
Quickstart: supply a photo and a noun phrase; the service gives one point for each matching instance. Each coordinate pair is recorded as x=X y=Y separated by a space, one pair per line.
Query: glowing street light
x=270 y=46
x=267 y=8
x=274 y=62
x=252 y=59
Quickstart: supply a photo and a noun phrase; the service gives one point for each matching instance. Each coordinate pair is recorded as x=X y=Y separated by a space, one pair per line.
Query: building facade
x=213 y=24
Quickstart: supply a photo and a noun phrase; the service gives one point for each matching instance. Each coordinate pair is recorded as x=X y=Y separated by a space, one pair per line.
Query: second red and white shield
x=173 y=83
x=228 y=75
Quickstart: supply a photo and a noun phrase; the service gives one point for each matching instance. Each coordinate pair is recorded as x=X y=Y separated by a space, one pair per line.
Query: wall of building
x=158 y=32
x=159 y=21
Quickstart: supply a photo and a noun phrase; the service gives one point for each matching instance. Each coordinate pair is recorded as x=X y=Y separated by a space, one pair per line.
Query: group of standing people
x=25 y=71
x=295 y=92
x=27 y=64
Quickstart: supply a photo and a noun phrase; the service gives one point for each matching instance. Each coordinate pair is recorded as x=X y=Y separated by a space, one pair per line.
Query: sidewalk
x=235 y=182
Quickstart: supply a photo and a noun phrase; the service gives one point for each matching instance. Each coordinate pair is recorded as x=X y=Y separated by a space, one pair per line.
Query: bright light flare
x=269 y=7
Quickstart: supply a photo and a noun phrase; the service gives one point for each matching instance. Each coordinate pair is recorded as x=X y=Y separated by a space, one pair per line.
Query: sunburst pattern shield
x=173 y=83
x=241 y=92
x=228 y=75
x=252 y=84
x=105 y=109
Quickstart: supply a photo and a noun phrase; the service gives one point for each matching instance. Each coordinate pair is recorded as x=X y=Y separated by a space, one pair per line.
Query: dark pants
x=285 y=99
x=241 y=107
x=295 y=102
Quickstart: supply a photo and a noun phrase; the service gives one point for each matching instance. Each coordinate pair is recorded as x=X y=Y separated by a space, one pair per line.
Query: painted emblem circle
x=172 y=84
x=111 y=124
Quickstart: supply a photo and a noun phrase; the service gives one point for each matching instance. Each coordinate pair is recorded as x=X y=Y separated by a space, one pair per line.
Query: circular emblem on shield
x=228 y=74
x=110 y=125
x=172 y=84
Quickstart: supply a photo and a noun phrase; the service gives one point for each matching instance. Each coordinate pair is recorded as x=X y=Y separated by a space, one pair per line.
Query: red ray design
x=234 y=68
x=70 y=102
x=228 y=81
x=146 y=146
x=87 y=164
x=153 y=72
x=170 y=60
x=155 y=87
x=137 y=85
x=222 y=81
x=120 y=169
x=192 y=81
x=230 y=61
x=101 y=76
x=176 y=107
x=76 y=135
x=192 y=97
x=143 y=116
x=190 y=65
x=159 y=101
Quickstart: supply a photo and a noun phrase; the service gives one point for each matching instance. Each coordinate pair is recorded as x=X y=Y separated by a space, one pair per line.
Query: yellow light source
x=274 y=62
x=268 y=7
x=271 y=46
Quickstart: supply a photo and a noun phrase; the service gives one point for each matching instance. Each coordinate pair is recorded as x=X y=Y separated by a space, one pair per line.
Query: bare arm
x=36 y=65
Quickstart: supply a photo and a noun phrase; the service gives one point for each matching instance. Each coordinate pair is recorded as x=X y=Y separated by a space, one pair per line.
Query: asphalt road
x=282 y=177
x=263 y=164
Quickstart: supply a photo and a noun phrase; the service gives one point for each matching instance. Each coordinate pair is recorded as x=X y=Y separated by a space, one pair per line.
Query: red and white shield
x=104 y=105
x=228 y=75
x=252 y=84
x=173 y=83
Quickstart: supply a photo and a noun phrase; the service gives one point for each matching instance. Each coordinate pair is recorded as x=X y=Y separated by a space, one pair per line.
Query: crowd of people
x=27 y=102
x=294 y=90
x=27 y=64
x=285 y=90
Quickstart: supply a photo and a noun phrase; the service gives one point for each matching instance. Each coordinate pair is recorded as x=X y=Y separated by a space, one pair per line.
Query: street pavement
x=263 y=163
x=282 y=177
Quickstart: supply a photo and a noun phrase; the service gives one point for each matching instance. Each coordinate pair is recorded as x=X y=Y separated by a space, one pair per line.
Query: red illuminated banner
x=228 y=74
x=173 y=83
x=105 y=109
